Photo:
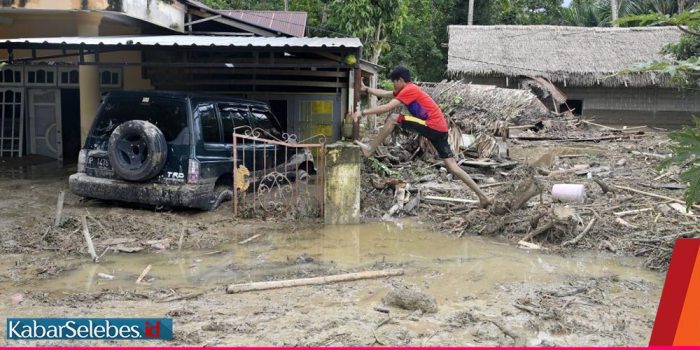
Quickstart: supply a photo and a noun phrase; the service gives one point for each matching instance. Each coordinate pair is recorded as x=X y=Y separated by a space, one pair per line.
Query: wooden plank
x=451 y=200
x=257 y=286
x=239 y=71
x=250 y=82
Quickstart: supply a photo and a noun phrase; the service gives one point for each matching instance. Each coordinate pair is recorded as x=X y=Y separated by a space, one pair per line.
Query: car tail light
x=193 y=172
x=82 y=158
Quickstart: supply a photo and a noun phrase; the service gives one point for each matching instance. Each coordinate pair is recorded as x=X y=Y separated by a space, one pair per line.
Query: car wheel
x=221 y=194
x=137 y=150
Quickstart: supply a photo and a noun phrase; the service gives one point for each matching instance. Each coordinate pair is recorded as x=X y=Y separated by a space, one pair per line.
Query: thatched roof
x=572 y=55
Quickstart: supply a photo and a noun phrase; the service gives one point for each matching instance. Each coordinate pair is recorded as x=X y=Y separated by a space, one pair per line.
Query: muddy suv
x=175 y=149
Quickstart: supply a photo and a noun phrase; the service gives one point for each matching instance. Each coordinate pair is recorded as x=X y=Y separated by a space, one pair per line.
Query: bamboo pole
x=256 y=286
x=655 y=195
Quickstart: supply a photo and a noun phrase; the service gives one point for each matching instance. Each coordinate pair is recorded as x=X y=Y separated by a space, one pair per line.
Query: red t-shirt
x=422 y=106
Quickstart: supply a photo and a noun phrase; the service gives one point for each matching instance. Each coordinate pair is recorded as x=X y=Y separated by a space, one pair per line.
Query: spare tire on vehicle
x=137 y=150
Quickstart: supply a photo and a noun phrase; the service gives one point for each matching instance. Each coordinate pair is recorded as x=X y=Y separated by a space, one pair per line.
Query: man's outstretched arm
x=377 y=92
x=388 y=107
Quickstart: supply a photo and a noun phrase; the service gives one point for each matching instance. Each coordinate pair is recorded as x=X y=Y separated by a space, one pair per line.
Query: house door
x=45 y=123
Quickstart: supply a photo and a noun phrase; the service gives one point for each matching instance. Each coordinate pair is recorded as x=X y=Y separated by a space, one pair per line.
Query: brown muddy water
x=470 y=277
x=472 y=263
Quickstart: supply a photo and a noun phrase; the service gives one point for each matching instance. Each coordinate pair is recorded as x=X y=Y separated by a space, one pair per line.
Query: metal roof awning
x=179 y=41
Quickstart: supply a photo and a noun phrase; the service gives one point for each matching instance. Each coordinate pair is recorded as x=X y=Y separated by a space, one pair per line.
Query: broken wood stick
x=603 y=186
x=451 y=200
x=257 y=286
x=624 y=222
x=538 y=231
x=632 y=212
x=179 y=241
x=180 y=297
x=652 y=155
x=580 y=235
x=88 y=240
x=249 y=239
x=59 y=208
x=143 y=274
x=630 y=189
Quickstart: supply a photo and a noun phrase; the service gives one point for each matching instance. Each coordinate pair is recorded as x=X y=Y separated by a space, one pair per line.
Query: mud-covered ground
x=487 y=291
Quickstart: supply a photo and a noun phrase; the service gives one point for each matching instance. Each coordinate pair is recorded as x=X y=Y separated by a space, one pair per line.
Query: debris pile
x=613 y=198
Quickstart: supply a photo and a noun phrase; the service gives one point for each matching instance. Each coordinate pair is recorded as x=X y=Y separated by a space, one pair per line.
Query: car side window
x=262 y=119
x=233 y=117
x=211 y=132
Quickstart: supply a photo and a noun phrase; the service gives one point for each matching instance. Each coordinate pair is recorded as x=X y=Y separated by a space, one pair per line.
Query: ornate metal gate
x=277 y=176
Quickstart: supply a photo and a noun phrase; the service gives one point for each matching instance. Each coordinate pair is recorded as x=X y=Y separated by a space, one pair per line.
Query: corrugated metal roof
x=188 y=40
x=288 y=22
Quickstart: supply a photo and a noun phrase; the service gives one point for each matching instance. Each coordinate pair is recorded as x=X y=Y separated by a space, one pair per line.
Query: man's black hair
x=400 y=72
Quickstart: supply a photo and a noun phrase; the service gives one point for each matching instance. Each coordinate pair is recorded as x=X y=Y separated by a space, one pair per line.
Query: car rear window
x=169 y=115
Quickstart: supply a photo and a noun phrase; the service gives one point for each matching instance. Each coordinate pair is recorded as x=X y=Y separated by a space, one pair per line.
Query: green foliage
x=378 y=167
x=527 y=12
x=685 y=153
x=585 y=13
x=371 y=21
x=686 y=48
x=417 y=46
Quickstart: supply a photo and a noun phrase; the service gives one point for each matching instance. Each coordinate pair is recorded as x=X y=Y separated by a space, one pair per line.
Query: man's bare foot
x=366 y=149
x=485 y=202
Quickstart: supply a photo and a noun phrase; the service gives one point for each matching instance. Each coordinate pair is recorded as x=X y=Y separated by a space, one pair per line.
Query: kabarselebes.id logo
x=89 y=329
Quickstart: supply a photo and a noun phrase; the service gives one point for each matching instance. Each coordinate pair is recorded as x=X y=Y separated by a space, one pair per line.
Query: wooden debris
x=451 y=200
x=257 y=286
x=489 y=164
x=59 y=208
x=603 y=186
x=181 y=240
x=105 y=276
x=250 y=239
x=117 y=241
x=623 y=222
x=632 y=212
x=180 y=297
x=527 y=189
x=126 y=249
x=667 y=186
x=651 y=155
x=528 y=245
x=681 y=208
x=538 y=231
x=143 y=274
x=580 y=235
x=655 y=195
x=88 y=240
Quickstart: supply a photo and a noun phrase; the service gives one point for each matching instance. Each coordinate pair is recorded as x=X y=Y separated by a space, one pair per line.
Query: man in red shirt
x=424 y=117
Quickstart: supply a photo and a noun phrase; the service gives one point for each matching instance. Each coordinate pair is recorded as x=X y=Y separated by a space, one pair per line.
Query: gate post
x=342 y=184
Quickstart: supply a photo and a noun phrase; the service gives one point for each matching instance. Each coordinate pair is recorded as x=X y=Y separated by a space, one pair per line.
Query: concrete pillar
x=342 y=187
x=89 y=77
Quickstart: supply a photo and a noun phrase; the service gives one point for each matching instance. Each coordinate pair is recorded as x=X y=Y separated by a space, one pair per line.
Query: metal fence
x=276 y=175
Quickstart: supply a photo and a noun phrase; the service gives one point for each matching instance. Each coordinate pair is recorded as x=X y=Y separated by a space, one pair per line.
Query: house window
x=575 y=106
x=11 y=76
x=68 y=77
x=111 y=77
x=43 y=76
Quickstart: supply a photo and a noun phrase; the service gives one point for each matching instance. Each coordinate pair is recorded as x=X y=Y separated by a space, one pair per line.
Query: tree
x=374 y=22
x=527 y=12
x=683 y=66
x=418 y=46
